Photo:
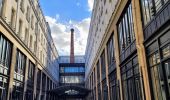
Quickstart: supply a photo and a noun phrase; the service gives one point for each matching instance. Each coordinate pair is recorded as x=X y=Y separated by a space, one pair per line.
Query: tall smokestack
x=72 y=47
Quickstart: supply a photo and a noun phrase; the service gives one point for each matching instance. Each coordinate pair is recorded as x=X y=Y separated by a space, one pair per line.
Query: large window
x=39 y=76
x=3 y=87
x=98 y=71
x=30 y=82
x=71 y=79
x=71 y=69
x=103 y=65
x=159 y=66
x=5 y=61
x=18 y=84
x=131 y=80
x=99 y=92
x=38 y=79
x=150 y=8
x=18 y=89
x=43 y=82
x=31 y=69
x=110 y=53
x=114 y=86
x=104 y=90
x=126 y=29
x=20 y=66
x=5 y=55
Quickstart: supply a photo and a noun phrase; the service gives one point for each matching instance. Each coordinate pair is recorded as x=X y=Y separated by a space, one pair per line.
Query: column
x=12 y=68
x=35 y=81
x=117 y=61
x=140 y=47
x=26 y=77
x=107 y=73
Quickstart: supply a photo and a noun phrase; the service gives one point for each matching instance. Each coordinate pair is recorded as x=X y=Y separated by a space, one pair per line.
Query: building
x=28 y=58
x=72 y=73
x=71 y=76
x=128 y=50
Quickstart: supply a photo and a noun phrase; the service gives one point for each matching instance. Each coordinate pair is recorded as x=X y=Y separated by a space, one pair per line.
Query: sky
x=62 y=15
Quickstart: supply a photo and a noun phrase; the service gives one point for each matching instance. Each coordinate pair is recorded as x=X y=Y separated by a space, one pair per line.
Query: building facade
x=72 y=78
x=128 y=50
x=28 y=57
x=72 y=73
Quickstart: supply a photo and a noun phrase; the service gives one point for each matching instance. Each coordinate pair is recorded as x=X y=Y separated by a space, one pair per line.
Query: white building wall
x=101 y=15
x=37 y=28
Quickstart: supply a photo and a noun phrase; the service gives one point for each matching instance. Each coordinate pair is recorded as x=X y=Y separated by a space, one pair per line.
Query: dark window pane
x=5 y=55
x=126 y=29
x=20 y=66
x=103 y=66
x=151 y=8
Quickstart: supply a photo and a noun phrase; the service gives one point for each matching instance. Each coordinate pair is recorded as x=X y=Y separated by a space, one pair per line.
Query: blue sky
x=67 y=9
x=65 y=14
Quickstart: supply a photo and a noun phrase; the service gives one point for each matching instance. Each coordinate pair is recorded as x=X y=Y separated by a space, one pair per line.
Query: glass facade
x=104 y=90
x=72 y=73
x=103 y=65
x=20 y=66
x=99 y=92
x=71 y=69
x=71 y=79
x=3 y=87
x=150 y=8
x=38 y=84
x=114 y=86
x=158 y=54
x=5 y=62
x=18 y=89
x=5 y=55
x=131 y=80
x=43 y=82
x=110 y=54
x=30 y=82
x=126 y=30
x=18 y=84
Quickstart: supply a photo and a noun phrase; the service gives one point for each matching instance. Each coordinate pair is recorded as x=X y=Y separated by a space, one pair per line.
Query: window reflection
x=150 y=8
x=166 y=51
x=126 y=29
x=71 y=79
x=158 y=85
x=71 y=69
x=167 y=69
x=154 y=59
x=18 y=88
x=131 y=82
x=110 y=52
x=3 y=87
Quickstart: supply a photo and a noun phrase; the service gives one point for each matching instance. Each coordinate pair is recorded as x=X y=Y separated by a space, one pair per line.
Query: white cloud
x=90 y=4
x=61 y=35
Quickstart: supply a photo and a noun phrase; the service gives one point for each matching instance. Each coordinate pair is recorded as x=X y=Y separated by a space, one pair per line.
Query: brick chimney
x=72 y=47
